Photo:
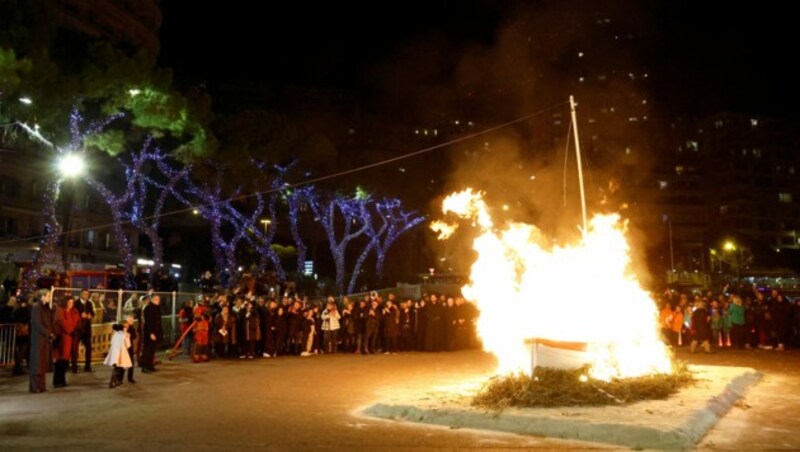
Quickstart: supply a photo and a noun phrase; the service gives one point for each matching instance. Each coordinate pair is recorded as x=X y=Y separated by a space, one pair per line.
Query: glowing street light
x=266 y=222
x=729 y=246
x=71 y=165
x=26 y=100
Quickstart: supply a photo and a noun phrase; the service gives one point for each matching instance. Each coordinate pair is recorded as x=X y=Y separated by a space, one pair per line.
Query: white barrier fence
x=111 y=306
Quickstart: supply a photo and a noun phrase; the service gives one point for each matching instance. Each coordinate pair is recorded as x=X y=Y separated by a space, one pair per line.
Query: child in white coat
x=118 y=356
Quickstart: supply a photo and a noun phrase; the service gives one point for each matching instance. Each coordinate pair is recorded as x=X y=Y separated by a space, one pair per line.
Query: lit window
x=757 y=153
x=785 y=197
x=719 y=124
x=753 y=122
x=662 y=185
x=680 y=169
x=723 y=210
x=692 y=145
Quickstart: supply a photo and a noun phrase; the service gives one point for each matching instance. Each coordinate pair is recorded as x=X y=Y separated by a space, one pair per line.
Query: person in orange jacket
x=677 y=326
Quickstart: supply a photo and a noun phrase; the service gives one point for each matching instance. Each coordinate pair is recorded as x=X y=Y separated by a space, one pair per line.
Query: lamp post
x=70 y=166
x=731 y=247
x=266 y=222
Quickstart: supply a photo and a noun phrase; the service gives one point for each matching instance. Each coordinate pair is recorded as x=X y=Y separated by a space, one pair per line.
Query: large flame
x=581 y=293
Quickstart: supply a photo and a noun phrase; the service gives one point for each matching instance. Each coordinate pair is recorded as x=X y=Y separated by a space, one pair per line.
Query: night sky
x=705 y=57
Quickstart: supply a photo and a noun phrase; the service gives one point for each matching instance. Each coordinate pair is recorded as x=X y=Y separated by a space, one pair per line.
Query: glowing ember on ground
x=577 y=293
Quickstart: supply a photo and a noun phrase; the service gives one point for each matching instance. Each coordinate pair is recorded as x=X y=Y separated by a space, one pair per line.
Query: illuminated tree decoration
x=146 y=187
x=124 y=206
x=330 y=211
x=397 y=222
x=52 y=228
x=392 y=223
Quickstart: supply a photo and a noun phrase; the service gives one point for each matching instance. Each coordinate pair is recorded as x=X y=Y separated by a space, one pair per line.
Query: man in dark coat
x=41 y=357
x=84 y=332
x=151 y=334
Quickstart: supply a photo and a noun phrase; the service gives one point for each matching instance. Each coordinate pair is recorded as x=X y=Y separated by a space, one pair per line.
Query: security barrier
x=7 y=343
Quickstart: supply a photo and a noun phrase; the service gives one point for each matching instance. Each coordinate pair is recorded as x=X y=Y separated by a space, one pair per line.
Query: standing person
x=330 y=326
x=391 y=326
x=185 y=317
x=118 y=357
x=200 y=331
x=270 y=330
x=130 y=329
x=348 y=324
x=372 y=325
x=361 y=327
x=701 y=330
x=66 y=322
x=22 y=326
x=86 y=311
x=737 y=322
x=252 y=329
x=309 y=328
x=151 y=334
x=407 y=326
x=224 y=333
x=40 y=361
x=420 y=323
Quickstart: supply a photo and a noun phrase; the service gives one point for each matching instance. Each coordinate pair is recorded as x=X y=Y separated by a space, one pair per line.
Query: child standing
x=200 y=331
x=118 y=356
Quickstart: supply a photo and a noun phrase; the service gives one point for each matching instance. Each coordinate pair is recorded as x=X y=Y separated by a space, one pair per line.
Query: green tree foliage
x=57 y=68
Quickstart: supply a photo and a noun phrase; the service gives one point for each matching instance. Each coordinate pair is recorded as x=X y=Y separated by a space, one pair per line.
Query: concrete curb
x=686 y=435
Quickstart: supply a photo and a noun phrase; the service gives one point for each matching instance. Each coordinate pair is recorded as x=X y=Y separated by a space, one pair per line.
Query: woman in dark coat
x=41 y=359
x=252 y=329
x=223 y=333
x=391 y=326
x=66 y=323
x=434 y=334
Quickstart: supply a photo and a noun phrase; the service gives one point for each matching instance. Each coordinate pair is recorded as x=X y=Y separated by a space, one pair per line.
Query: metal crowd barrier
x=111 y=306
x=8 y=336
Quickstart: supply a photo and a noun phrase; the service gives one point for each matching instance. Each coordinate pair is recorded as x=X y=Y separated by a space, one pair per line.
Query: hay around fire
x=550 y=387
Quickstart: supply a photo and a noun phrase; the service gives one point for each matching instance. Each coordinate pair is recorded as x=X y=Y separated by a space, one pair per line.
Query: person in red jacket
x=200 y=339
x=66 y=325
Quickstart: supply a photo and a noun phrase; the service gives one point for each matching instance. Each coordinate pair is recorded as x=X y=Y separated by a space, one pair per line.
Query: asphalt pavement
x=294 y=403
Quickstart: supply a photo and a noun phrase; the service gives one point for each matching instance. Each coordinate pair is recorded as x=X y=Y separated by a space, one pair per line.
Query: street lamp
x=266 y=222
x=737 y=259
x=70 y=165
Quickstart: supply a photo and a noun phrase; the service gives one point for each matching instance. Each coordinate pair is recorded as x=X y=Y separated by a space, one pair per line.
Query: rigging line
x=566 y=159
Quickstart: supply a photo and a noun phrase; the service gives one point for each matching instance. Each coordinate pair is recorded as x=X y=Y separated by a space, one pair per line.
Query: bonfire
x=563 y=306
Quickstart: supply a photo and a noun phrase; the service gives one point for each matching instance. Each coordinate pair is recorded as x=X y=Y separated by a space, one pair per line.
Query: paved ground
x=308 y=403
